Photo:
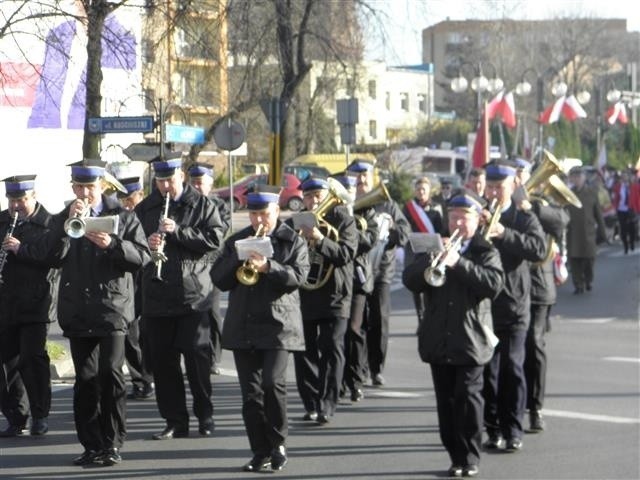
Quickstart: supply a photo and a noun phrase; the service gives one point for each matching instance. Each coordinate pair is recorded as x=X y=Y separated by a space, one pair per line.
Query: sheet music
x=425 y=242
x=260 y=245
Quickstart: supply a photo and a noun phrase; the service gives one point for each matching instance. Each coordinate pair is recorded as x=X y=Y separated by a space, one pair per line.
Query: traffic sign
x=142 y=124
x=229 y=134
x=183 y=134
x=143 y=152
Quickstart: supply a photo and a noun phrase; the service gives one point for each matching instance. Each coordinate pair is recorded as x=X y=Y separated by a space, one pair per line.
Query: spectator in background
x=477 y=181
x=626 y=201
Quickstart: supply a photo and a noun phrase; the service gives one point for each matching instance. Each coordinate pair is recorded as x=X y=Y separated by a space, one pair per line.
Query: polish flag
x=572 y=110
x=552 y=113
x=503 y=106
x=617 y=113
x=480 y=154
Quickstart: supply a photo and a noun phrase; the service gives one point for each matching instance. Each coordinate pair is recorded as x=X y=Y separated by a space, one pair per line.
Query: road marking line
x=590 y=320
x=589 y=416
x=392 y=394
x=622 y=359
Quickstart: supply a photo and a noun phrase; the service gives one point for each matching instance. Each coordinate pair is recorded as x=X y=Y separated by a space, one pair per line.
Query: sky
x=407 y=18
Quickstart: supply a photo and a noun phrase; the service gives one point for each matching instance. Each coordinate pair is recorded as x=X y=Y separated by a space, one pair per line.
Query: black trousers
x=319 y=369
x=505 y=387
x=378 y=311
x=581 y=271
x=216 y=326
x=189 y=336
x=627 y=221
x=535 y=361
x=460 y=404
x=263 y=382
x=355 y=345
x=135 y=353
x=26 y=365
x=99 y=393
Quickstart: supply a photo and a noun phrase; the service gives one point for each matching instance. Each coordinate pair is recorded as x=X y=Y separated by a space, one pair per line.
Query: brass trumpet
x=75 y=226
x=435 y=274
x=247 y=274
x=496 y=211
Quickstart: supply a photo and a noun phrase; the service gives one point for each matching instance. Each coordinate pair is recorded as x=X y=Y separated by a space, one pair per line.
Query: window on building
x=387 y=100
x=404 y=101
x=373 y=129
x=372 y=89
x=422 y=102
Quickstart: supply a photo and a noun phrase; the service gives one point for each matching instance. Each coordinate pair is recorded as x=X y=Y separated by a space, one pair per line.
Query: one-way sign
x=142 y=124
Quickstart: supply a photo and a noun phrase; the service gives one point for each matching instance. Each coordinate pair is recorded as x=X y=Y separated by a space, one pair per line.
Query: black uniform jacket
x=96 y=293
x=398 y=236
x=523 y=242
x=363 y=273
x=265 y=315
x=28 y=282
x=554 y=220
x=457 y=318
x=333 y=300
x=186 y=286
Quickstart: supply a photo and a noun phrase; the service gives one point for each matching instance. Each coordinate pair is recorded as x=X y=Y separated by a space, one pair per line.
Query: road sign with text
x=183 y=134
x=141 y=124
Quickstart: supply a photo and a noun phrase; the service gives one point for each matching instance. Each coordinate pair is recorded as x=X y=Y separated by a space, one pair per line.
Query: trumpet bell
x=75 y=227
x=247 y=275
x=434 y=276
x=378 y=195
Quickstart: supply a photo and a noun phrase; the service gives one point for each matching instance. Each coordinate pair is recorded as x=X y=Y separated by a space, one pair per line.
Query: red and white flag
x=480 y=154
x=568 y=107
x=617 y=113
x=503 y=106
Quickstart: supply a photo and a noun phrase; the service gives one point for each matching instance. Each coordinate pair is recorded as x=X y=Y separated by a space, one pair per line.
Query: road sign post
x=347 y=117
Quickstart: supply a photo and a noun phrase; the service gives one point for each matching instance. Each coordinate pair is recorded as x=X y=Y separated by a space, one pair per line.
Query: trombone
x=247 y=274
x=435 y=274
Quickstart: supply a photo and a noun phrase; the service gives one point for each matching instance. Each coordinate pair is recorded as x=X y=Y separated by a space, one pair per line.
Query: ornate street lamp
x=479 y=83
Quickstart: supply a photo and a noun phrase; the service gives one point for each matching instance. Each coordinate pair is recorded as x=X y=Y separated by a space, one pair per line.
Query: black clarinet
x=158 y=255
x=5 y=253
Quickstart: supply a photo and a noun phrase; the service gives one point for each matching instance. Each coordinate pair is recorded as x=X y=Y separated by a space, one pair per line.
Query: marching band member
x=325 y=310
x=25 y=300
x=379 y=301
x=136 y=350
x=519 y=239
x=201 y=178
x=263 y=324
x=454 y=335
x=183 y=229
x=95 y=305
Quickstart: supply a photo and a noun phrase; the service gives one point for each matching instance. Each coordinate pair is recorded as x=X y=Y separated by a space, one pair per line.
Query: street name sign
x=183 y=134
x=141 y=124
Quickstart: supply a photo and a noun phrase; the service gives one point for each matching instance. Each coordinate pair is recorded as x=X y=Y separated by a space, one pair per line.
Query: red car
x=290 y=197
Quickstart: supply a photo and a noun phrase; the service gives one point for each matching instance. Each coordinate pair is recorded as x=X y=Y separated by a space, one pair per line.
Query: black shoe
x=357 y=395
x=310 y=416
x=455 y=471
x=206 y=427
x=109 y=457
x=13 y=430
x=257 y=463
x=377 y=380
x=39 y=426
x=323 y=418
x=143 y=393
x=494 y=442
x=171 y=432
x=87 y=458
x=536 y=422
x=514 y=445
x=588 y=287
x=278 y=458
x=578 y=291
x=470 y=471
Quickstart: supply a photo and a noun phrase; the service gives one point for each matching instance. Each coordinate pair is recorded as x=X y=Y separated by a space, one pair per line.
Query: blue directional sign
x=183 y=134
x=142 y=124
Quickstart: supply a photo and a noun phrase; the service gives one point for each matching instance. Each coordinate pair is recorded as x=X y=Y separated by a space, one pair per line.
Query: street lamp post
x=479 y=84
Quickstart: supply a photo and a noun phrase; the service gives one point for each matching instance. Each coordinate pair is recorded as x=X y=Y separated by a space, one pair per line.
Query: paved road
x=592 y=411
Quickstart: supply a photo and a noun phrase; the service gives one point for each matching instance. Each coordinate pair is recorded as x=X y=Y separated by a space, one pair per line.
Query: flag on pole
x=601 y=162
x=480 y=154
x=503 y=106
x=617 y=113
x=552 y=113
x=568 y=107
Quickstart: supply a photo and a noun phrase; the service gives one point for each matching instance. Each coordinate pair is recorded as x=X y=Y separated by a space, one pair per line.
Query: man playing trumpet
x=454 y=335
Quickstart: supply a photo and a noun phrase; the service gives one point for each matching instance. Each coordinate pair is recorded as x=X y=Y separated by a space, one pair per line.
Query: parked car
x=290 y=197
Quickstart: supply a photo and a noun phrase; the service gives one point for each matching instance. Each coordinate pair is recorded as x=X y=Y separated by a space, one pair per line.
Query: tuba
x=435 y=274
x=247 y=273
x=378 y=195
x=319 y=272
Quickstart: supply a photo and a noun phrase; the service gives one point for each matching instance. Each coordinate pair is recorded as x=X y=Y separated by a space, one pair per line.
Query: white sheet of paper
x=261 y=246
x=304 y=219
x=425 y=242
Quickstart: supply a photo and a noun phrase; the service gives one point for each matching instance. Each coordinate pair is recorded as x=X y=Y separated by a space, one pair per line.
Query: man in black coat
x=136 y=350
x=455 y=335
x=201 y=178
x=554 y=219
x=326 y=303
x=25 y=301
x=264 y=323
x=95 y=305
x=177 y=295
x=520 y=240
x=394 y=232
